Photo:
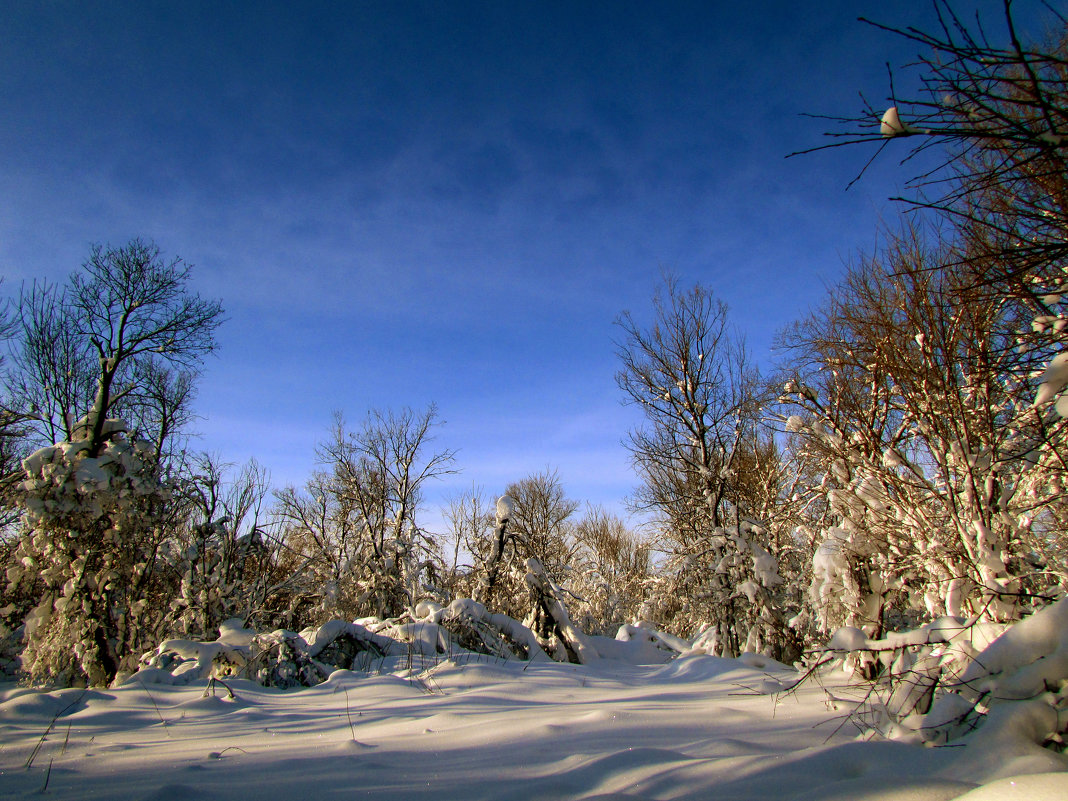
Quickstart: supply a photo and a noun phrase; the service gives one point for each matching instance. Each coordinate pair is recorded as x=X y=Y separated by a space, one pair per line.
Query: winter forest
x=883 y=510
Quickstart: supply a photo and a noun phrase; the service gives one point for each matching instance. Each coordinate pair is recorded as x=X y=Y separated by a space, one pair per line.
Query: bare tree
x=131 y=304
x=470 y=520
x=13 y=426
x=540 y=520
x=377 y=477
x=692 y=378
x=110 y=341
x=612 y=572
x=53 y=371
x=996 y=108
x=913 y=396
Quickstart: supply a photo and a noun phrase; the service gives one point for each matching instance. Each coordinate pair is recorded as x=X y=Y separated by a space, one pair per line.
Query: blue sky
x=410 y=202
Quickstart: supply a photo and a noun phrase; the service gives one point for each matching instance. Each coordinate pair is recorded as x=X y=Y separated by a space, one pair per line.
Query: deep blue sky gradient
x=406 y=202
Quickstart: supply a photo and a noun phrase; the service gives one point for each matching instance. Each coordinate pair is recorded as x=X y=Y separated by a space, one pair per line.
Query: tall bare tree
x=691 y=376
x=540 y=523
x=95 y=507
x=994 y=107
x=366 y=504
x=125 y=335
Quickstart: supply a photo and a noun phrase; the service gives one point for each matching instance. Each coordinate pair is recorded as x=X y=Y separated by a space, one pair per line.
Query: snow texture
x=481 y=728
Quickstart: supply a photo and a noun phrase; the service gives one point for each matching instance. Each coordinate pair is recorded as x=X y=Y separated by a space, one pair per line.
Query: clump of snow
x=1053 y=380
x=233 y=633
x=505 y=509
x=890 y=125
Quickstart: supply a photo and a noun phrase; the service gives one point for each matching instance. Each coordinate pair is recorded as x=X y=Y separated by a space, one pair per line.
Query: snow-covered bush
x=278 y=658
x=217 y=551
x=285 y=659
x=550 y=621
x=474 y=628
x=611 y=573
x=955 y=679
x=90 y=543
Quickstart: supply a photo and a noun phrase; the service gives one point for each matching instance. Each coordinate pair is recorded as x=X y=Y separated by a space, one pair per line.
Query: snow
x=481 y=728
x=1026 y=653
x=891 y=125
x=1048 y=786
x=1053 y=380
x=505 y=509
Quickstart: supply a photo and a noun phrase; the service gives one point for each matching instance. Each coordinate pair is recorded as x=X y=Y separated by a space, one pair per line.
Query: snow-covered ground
x=478 y=728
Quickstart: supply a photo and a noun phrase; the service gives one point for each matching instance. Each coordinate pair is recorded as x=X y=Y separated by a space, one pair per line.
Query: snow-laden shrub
x=287 y=659
x=91 y=534
x=10 y=647
x=475 y=629
x=551 y=622
x=464 y=627
x=464 y=630
x=732 y=592
x=955 y=678
x=218 y=555
x=278 y=658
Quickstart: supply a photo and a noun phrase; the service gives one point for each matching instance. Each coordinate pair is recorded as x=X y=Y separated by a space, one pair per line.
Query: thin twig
x=154 y=706
x=61 y=713
x=348 y=714
x=48 y=775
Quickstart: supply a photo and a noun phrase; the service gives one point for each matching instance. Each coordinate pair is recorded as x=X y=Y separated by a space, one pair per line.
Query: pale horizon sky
x=401 y=203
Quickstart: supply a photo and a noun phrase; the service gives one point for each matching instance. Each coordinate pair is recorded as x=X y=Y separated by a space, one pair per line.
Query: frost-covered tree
x=96 y=510
x=910 y=390
x=324 y=556
x=354 y=530
x=691 y=377
x=932 y=387
x=532 y=520
x=990 y=460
